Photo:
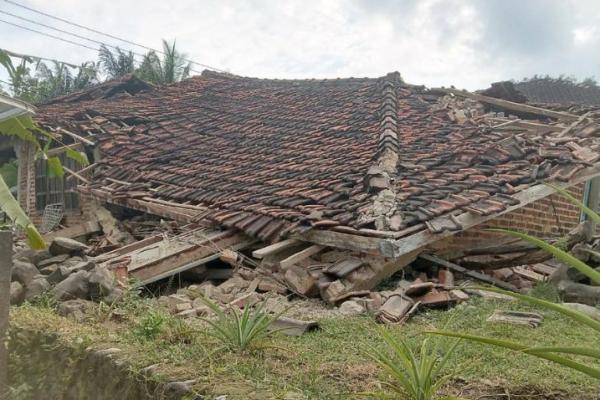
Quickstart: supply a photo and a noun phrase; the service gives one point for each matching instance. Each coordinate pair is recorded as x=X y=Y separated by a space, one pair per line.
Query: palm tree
x=22 y=84
x=172 y=68
x=117 y=64
x=53 y=82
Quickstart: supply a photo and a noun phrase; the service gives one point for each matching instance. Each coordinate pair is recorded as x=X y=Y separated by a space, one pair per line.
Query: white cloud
x=466 y=43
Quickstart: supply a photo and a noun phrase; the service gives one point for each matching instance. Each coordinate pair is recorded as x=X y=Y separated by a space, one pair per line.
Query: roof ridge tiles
x=382 y=174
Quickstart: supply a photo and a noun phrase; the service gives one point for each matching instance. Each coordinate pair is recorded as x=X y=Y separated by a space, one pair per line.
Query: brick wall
x=549 y=217
x=552 y=216
x=26 y=153
x=26 y=187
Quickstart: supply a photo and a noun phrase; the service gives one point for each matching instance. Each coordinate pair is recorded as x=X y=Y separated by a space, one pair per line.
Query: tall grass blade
x=588 y=211
x=593 y=372
x=569 y=312
x=580 y=351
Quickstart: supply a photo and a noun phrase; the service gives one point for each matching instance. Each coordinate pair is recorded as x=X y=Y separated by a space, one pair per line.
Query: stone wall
x=43 y=367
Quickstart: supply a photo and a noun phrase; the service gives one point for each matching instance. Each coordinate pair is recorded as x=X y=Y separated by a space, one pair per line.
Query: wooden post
x=5 y=267
x=593 y=201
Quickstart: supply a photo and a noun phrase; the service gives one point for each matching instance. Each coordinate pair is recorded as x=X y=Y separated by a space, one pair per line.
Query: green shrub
x=151 y=326
x=412 y=376
x=241 y=331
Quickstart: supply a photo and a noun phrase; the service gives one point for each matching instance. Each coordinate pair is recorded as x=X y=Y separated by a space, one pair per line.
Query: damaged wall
x=552 y=216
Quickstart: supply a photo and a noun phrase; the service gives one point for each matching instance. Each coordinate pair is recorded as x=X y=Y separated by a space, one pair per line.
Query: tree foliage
x=116 y=64
x=34 y=80
x=172 y=67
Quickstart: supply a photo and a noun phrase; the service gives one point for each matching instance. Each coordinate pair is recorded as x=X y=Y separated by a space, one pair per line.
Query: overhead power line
x=104 y=34
x=19 y=55
x=49 y=35
x=74 y=35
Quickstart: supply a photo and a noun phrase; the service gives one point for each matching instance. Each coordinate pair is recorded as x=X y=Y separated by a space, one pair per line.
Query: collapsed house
x=547 y=91
x=328 y=186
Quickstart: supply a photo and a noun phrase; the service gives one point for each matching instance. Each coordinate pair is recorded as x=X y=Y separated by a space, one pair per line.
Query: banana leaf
x=77 y=156
x=13 y=210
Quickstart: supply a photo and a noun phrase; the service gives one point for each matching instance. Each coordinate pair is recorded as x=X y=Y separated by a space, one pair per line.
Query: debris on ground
x=235 y=271
x=517 y=318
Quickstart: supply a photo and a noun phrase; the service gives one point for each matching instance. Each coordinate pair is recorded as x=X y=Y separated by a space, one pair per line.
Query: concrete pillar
x=5 y=267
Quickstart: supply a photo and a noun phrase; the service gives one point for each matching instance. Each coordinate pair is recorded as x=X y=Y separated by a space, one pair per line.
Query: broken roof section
x=128 y=85
x=273 y=157
x=547 y=91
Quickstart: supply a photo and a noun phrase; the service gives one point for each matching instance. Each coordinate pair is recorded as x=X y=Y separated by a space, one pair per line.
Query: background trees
x=36 y=80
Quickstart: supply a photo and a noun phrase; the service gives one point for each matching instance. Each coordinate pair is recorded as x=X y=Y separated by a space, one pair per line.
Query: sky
x=465 y=43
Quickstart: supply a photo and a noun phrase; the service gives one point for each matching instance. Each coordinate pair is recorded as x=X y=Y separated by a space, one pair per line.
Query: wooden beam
x=84 y=170
x=569 y=128
x=467 y=219
x=473 y=274
x=509 y=105
x=76 y=175
x=129 y=248
x=76 y=137
x=343 y=240
x=275 y=248
x=538 y=127
x=188 y=258
x=301 y=255
x=62 y=149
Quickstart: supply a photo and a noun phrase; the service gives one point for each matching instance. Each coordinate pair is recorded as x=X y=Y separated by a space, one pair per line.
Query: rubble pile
x=65 y=272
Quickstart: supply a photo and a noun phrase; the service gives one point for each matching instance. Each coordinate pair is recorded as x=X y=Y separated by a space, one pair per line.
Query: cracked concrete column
x=5 y=267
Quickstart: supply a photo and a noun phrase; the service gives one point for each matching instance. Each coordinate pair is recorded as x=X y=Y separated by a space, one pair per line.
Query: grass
x=331 y=364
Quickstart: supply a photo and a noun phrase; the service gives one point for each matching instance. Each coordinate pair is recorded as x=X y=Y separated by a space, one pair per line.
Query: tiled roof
x=129 y=85
x=547 y=91
x=269 y=156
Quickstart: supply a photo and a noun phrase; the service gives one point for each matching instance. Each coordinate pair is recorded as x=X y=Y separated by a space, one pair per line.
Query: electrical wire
x=105 y=34
x=49 y=35
x=19 y=55
x=76 y=35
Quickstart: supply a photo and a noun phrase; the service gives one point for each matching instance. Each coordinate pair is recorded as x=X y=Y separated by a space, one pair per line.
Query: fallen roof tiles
x=263 y=154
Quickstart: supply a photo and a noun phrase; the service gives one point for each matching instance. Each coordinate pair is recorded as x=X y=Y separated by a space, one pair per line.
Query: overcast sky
x=466 y=43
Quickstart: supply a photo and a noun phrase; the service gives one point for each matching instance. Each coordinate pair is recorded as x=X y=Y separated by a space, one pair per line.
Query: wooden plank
x=343 y=240
x=467 y=219
x=574 y=124
x=473 y=274
x=189 y=258
x=76 y=137
x=543 y=269
x=530 y=275
x=301 y=255
x=76 y=175
x=129 y=248
x=538 y=127
x=275 y=248
x=509 y=105
x=59 y=150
